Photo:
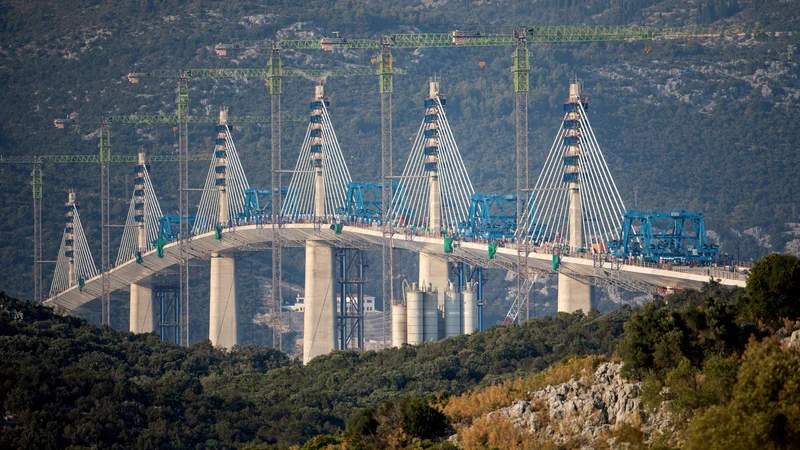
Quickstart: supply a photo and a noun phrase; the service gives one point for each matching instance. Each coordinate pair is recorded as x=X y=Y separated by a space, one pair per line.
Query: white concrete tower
x=572 y=294
x=432 y=271
x=142 y=310
x=319 y=317
x=69 y=236
x=316 y=156
x=223 y=308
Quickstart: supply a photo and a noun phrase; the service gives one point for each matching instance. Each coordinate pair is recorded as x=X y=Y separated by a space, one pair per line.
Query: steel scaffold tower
x=275 y=89
x=183 y=209
x=105 y=199
x=521 y=87
x=350 y=319
x=387 y=256
x=36 y=184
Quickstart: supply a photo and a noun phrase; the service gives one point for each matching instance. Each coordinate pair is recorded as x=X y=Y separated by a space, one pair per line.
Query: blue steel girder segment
x=257 y=205
x=491 y=217
x=169 y=227
x=664 y=236
x=364 y=201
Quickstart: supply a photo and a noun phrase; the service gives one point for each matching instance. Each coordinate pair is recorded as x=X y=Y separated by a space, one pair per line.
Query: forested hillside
x=712 y=358
x=68 y=383
x=700 y=124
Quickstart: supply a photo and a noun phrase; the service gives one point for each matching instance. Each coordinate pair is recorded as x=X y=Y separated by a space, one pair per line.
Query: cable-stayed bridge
x=574 y=224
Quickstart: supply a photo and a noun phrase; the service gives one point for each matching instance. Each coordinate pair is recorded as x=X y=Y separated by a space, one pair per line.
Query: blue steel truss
x=664 y=236
x=257 y=206
x=363 y=201
x=491 y=217
x=169 y=227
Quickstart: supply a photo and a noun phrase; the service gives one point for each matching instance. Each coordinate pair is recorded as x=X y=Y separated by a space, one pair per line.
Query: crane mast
x=275 y=90
x=105 y=199
x=521 y=87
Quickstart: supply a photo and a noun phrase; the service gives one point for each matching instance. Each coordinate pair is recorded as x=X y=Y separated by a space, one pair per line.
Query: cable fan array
x=74 y=249
x=575 y=160
x=434 y=152
x=144 y=209
x=320 y=149
x=225 y=171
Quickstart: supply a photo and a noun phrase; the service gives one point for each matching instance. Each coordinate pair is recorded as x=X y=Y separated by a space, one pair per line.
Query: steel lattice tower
x=183 y=239
x=105 y=198
x=36 y=183
x=275 y=89
x=387 y=257
x=521 y=87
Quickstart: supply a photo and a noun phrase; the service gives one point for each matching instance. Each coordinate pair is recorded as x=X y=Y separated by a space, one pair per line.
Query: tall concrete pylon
x=435 y=189
x=142 y=309
x=434 y=273
x=319 y=318
x=577 y=204
x=223 y=308
x=574 y=295
x=69 y=233
x=74 y=264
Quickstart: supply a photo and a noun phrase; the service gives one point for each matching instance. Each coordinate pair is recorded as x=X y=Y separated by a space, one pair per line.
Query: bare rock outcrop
x=586 y=409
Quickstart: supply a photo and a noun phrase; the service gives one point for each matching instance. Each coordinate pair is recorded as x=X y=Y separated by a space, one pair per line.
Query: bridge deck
x=200 y=247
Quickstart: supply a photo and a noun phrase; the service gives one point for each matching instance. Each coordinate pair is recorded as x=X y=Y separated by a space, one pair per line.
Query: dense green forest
x=698 y=124
x=718 y=360
x=67 y=383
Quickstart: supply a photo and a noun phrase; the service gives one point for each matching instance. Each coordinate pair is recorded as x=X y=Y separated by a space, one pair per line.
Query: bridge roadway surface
x=242 y=237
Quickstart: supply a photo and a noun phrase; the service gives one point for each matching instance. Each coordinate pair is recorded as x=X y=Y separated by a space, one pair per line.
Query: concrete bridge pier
x=142 y=310
x=223 y=308
x=573 y=294
x=319 y=318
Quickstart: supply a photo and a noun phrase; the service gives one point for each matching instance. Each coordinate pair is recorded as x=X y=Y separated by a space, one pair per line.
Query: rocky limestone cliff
x=585 y=410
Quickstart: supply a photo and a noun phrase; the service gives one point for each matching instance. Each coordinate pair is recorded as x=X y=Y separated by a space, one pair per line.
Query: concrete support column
x=573 y=295
x=143 y=314
x=319 y=319
x=223 y=308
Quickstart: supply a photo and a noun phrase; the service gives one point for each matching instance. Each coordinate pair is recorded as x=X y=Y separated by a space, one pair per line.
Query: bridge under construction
x=571 y=221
